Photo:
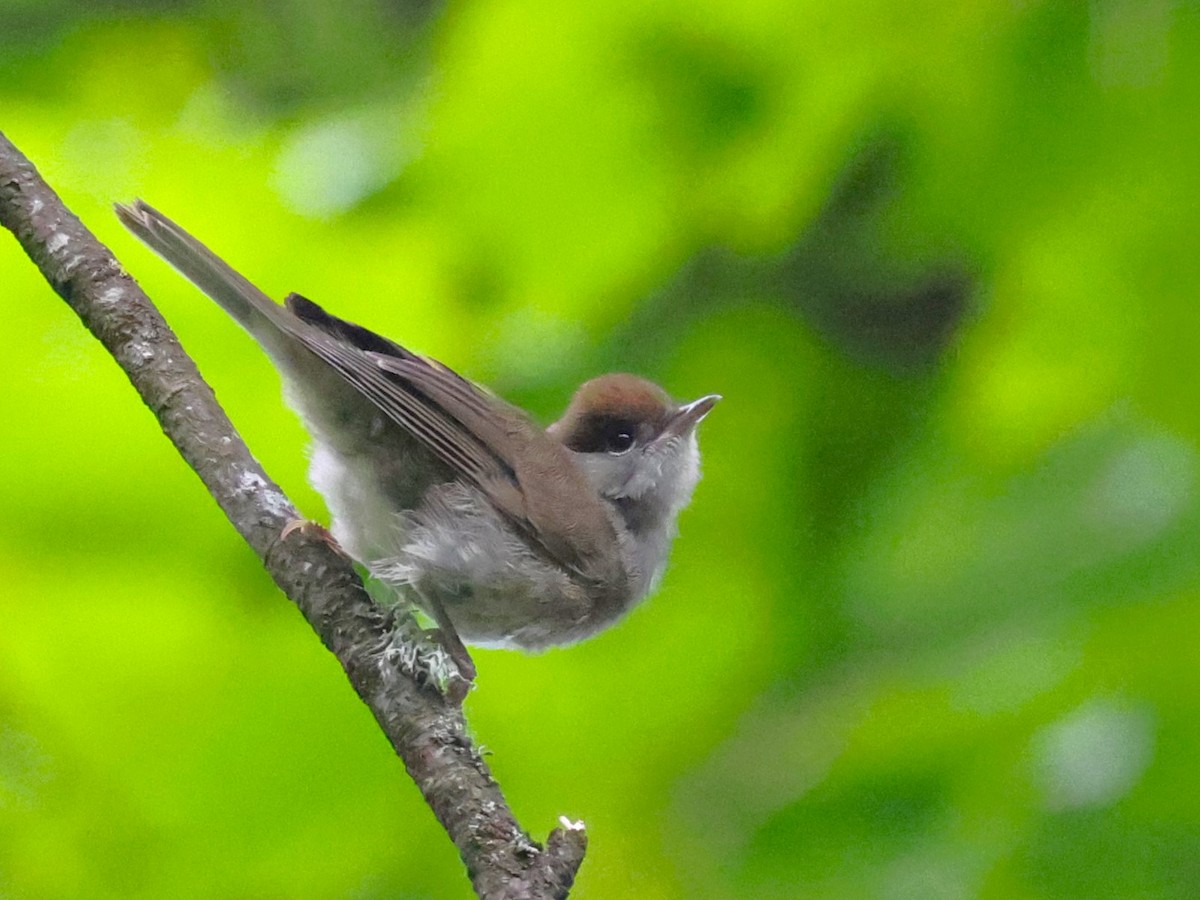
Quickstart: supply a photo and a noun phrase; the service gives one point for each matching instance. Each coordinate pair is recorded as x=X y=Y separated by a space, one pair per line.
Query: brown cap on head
x=610 y=410
x=621 y=395
x=610 y=413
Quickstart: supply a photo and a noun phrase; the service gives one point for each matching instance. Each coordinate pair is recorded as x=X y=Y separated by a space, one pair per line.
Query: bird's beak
x=688 y=416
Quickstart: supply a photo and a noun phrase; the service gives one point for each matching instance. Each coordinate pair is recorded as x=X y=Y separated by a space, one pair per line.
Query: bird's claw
x=424 y=656
x=313 y=529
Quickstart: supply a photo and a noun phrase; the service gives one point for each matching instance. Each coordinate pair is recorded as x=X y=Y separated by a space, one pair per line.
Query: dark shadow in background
x=884 y=325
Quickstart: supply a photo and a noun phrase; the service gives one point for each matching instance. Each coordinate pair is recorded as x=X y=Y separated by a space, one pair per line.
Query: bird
x=505 y=533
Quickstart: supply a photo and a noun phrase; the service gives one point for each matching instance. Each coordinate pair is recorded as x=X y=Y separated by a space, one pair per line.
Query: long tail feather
x=254 y=310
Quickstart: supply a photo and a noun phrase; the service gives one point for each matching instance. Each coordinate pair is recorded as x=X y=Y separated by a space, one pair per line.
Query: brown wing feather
x=489 y=443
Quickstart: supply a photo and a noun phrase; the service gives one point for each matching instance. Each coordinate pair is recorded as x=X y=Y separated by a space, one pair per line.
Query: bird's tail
x=254 y=310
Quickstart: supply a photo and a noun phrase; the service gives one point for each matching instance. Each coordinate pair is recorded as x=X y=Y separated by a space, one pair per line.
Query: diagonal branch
x=426 y=729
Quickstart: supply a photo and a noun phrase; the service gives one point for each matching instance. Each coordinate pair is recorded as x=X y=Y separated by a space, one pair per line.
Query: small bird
x=505 y=533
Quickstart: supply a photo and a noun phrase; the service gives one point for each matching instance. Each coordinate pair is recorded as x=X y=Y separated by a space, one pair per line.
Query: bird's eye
x=619 y=441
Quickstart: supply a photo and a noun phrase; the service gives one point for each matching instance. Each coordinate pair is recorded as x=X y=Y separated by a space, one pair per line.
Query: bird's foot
x=311 y=529
x=447 y=635
x=426 y=657
x=457 y=651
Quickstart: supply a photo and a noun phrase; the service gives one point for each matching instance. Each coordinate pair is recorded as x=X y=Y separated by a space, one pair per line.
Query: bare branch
x=426 y=729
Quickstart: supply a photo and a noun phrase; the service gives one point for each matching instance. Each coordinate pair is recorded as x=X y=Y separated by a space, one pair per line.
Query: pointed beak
x=689 y=415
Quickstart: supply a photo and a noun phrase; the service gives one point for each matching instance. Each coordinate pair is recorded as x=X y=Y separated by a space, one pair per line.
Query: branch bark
x=426 y=729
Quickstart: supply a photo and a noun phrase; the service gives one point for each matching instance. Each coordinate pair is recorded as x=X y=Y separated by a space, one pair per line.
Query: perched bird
x=507 y=534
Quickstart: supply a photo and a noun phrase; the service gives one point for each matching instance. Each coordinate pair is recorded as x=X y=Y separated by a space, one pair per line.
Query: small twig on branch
x=425 y=728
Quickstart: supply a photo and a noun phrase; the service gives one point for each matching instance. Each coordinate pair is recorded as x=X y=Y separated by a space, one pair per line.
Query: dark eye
x=619 y=440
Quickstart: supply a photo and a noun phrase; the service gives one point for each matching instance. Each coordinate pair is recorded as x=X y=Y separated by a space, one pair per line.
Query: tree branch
x=426 y=729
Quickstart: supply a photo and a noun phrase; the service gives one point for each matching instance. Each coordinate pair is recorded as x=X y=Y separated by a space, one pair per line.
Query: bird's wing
x=481 y=438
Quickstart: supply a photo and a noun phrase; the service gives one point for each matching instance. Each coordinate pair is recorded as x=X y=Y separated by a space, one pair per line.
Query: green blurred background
x=931 y=628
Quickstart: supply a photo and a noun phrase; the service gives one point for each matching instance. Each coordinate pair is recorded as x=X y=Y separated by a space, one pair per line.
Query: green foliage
x=930 y=629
